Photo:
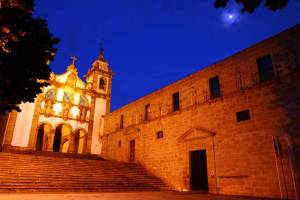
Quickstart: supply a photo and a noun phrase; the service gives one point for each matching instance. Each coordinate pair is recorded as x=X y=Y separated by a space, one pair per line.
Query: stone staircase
x=44 y=173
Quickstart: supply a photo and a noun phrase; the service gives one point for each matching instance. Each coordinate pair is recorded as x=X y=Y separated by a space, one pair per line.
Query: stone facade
x=253 y=157
x=67 y=117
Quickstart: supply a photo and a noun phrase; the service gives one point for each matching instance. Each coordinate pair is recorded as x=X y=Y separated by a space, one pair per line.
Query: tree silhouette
x=26 y=48
x=250 y=5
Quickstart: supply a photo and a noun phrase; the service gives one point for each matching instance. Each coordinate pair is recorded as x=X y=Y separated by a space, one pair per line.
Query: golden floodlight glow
x=74 y=111
x=42 y=104
x=60 y=94
x=76 y=98
x=57 y=108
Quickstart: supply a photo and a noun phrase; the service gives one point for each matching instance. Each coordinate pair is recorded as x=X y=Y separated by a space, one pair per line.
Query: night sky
x=152 y=43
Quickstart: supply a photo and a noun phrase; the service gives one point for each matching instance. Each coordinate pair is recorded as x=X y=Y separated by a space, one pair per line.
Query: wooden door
x=199 y=180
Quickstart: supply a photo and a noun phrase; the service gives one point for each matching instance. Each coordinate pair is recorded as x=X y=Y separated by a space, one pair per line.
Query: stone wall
x=241 y=158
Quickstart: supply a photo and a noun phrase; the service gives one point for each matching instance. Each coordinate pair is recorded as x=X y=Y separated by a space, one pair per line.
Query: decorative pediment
x=70 y=78
x=195 y=133
x=131 y=130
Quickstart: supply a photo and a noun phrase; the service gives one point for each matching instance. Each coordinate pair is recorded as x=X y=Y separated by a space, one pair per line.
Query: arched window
x=102 y=84
x=83 y=101
x=50 y=94
x=68 y=97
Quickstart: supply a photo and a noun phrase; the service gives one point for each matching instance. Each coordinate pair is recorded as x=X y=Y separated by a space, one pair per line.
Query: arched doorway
x=40 y=138
x=76 y=141
x=62 y=138
x=57 y=139
x=79 y=143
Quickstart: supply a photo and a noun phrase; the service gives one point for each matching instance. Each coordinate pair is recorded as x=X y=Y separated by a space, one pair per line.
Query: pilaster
x=35 y=123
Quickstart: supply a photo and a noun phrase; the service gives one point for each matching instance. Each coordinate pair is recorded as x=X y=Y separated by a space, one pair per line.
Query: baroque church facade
x=67 y=117
x=230 y=128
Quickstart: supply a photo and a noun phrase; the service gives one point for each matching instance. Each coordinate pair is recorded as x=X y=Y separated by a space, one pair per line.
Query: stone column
x=71 y=143
x=35 y=123
x=84 y=149
x=51 y=139
x=90 y=127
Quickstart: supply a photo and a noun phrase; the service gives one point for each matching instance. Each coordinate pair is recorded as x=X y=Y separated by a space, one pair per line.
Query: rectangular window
x=147 y=111
x=121 y=121
x=242 y=115
x=265 y=68
x=176 y=103
x=159 y=134
x=214 y=87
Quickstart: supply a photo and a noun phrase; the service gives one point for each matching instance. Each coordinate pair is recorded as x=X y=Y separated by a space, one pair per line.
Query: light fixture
x=43 y=105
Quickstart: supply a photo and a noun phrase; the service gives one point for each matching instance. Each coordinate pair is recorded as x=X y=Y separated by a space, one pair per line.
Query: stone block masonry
x=252 y=153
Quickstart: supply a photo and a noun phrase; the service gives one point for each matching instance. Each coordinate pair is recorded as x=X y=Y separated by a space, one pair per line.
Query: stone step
x=28 y=173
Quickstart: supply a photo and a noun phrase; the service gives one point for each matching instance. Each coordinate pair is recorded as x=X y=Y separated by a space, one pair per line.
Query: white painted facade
x=23 y=125
x=100 y=110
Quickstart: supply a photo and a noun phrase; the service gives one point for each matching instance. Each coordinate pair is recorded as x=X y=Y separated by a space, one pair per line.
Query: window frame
x=104 y=83
x=212 y=88
x=265 y=73
x=176 y=101
x=243 y=118
x=160 y=134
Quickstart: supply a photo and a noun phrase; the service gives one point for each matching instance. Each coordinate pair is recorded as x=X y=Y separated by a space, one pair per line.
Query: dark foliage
x=25 y=5
x=26 y=47
x=250 y=5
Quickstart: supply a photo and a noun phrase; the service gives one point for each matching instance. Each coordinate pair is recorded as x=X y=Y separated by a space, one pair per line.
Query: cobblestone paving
x=119 y=196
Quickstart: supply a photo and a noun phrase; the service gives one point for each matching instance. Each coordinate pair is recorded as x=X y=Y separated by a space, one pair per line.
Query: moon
x=230 y=17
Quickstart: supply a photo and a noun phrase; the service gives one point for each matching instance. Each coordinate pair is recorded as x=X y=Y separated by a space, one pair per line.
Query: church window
x=176 y=103
x=214 y=87
x=50 y=94
x=119 y=143
x=102 y=84
x=83 y=101
x=242 y=115
x=68 y=97
x=121 y=121
x=265 y=68
x=159 y=134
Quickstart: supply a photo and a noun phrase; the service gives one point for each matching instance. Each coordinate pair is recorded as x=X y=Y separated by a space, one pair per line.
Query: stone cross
x=73 y=60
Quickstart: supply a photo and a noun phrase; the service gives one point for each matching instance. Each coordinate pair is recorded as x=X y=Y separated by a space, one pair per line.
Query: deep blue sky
x=152 y=43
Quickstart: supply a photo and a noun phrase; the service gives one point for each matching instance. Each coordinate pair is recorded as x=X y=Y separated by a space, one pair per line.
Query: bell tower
x=99 y=81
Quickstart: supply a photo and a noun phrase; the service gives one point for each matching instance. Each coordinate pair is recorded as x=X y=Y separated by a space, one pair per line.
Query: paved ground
x=119 y=196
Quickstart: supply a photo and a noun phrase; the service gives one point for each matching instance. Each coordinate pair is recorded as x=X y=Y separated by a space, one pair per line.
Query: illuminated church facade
x=230 y=128
x=67 y=117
